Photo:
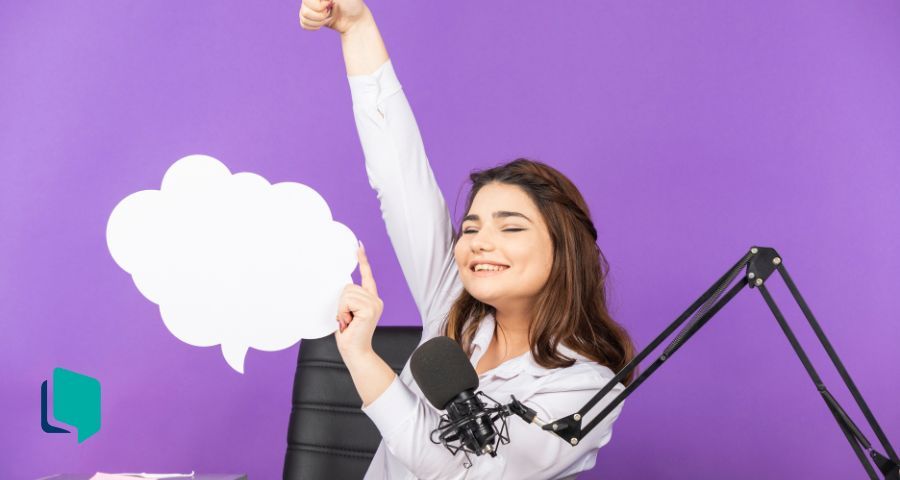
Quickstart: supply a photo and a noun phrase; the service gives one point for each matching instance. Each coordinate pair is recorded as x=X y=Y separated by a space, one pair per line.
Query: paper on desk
x=132 y=476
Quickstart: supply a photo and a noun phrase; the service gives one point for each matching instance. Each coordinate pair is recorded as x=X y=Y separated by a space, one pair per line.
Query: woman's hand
x=358 y=312
x=338 y=15
x=359 y=309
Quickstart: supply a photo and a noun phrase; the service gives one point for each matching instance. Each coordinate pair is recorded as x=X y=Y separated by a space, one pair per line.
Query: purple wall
x=694 y=129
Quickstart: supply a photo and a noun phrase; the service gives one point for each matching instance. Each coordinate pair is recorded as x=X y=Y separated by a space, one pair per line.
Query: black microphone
x=449 y=382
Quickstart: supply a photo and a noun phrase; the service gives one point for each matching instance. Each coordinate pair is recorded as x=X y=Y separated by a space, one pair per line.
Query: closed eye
x=507 y=230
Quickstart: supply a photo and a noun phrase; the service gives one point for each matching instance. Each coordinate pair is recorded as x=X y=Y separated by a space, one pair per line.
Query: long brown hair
x=571 y=307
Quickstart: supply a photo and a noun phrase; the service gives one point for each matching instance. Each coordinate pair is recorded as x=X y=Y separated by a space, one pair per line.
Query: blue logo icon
x=76 y=402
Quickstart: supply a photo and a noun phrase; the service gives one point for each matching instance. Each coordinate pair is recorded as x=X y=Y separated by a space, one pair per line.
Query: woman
x=520 y=286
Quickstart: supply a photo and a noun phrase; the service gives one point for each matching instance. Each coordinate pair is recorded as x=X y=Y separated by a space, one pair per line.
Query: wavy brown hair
x=571 y=307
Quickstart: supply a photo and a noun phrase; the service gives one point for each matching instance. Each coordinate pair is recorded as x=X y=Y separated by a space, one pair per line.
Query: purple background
x=694 y=130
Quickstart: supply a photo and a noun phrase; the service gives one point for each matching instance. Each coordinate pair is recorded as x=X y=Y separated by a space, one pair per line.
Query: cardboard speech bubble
x=233 y=260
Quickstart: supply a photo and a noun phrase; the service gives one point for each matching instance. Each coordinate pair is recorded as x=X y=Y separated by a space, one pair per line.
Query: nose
x=481 y=241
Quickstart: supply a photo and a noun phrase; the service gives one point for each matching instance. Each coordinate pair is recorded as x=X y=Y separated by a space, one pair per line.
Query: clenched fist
x=338 y=15
x=359 y=309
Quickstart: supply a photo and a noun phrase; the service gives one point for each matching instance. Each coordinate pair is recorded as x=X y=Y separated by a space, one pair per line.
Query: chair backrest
x=328 y=435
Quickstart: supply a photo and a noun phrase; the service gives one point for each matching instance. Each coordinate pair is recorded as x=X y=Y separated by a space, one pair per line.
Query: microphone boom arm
x=760 y=262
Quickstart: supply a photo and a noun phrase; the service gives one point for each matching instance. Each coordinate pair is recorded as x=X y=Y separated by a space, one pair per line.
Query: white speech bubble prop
x=233 y=259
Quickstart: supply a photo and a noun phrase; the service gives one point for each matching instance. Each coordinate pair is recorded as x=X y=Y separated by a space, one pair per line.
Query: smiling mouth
x=488 y=272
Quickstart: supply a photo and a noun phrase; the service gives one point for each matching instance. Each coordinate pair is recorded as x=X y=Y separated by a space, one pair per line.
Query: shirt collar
x=524 y=363
x=483 y=335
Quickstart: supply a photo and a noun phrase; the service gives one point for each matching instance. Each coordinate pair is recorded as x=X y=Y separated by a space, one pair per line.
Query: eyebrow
x=497 y=214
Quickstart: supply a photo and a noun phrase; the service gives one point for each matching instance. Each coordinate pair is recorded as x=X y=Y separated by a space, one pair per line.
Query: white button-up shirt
x=420 y=229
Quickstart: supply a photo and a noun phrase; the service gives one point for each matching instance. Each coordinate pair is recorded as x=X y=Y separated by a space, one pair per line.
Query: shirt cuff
x=392 y=408
x=372 y=88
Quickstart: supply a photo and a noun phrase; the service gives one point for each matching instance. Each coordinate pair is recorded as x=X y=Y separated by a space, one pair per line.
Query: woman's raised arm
x=361 y=41
x=412 y=205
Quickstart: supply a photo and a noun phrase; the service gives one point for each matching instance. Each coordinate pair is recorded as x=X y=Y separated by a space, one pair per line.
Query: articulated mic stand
x=760 y=263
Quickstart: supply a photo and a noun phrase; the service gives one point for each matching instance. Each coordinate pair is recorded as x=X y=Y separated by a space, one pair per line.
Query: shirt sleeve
x=406 y=422
x=412 y=205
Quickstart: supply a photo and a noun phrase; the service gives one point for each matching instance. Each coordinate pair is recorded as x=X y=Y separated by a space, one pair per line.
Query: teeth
x=484 y=266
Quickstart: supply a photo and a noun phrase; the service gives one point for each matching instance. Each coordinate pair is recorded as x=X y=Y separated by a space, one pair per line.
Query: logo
x=76 y=402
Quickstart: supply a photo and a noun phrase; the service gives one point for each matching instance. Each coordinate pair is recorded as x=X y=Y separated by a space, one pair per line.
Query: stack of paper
x=132 y=476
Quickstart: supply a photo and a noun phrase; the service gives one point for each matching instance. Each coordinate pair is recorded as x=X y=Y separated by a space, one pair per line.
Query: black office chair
x=328 y=435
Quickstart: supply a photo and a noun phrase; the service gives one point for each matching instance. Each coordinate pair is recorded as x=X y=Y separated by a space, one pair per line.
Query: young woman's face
x=504 y=227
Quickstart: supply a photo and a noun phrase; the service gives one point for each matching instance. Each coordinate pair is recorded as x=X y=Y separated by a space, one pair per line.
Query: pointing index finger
x=365 y=271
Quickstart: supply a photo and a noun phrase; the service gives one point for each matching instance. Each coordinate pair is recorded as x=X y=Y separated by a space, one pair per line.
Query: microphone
x=449 y=382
